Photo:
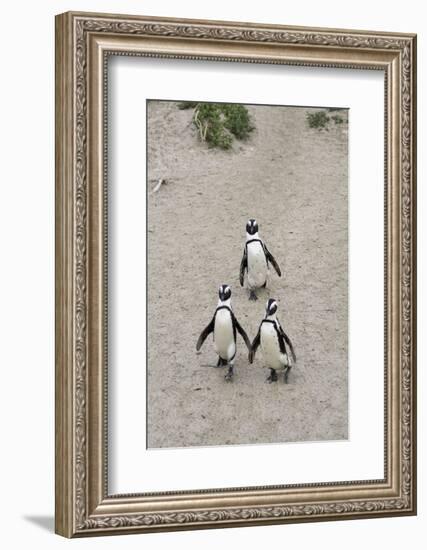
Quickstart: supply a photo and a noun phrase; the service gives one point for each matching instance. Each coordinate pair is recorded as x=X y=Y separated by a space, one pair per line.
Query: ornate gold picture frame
x=84 y=42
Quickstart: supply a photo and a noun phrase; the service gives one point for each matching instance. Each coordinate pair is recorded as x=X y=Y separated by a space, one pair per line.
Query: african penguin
x=273 y=340
x=224 y=325
x=256 y=259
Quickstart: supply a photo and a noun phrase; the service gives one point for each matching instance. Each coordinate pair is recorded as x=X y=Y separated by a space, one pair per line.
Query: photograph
x=247 y=274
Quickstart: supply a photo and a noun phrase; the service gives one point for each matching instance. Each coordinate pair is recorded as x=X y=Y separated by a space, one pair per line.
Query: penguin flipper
x=289 y=343
x=281 y=339
x=254 y=346
x=205 y=333
x=242 y=333
x=243 y=266
x=272 y=260
x=291 y=347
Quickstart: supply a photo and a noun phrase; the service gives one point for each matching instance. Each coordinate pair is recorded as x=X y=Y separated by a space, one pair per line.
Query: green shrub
x=237 y=120
x=187 y=105
x=209 y=119
x=219 y=123
x=318 y=120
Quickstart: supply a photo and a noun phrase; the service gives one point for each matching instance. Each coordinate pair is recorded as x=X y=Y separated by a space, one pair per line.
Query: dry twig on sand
x=159 y=184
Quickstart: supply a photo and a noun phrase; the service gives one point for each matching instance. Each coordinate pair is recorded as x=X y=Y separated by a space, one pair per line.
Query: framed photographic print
x=235 y=274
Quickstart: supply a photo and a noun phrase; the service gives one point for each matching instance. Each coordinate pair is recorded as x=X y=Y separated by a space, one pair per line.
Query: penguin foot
x=229 y=376
x=272 y=377
x=286 y=375
x=252 y=296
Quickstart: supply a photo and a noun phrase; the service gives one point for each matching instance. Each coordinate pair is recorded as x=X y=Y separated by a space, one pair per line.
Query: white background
x=27 y=275
x=362 y=456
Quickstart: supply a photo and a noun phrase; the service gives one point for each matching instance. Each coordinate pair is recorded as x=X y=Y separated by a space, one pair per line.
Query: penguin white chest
x=270 y=347
x=257 y=265
x=224 y=335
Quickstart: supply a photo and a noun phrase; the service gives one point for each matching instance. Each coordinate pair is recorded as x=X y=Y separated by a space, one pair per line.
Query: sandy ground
x=293 y=180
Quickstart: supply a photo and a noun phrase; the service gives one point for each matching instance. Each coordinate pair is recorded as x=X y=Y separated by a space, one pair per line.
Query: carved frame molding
x=83 y=42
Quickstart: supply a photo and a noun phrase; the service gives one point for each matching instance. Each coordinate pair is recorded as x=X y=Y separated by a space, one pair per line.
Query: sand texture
x=293 y=180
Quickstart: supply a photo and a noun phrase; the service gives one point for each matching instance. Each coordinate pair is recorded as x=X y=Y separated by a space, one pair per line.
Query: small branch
x=159 y=184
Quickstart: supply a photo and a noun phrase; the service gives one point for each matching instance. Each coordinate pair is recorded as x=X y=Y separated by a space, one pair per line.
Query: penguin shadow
x=222 y=370
x=212 y=366
x=262 y=294
x=295 y=377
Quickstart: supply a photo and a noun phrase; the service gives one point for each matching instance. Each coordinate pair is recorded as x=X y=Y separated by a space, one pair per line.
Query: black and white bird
x=274 y=344
x=255 y=261
x=224 y=325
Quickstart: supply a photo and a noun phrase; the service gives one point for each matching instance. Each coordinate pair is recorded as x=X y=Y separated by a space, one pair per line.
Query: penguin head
x=224 y=293
x=252 y=227
x=271 y=307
